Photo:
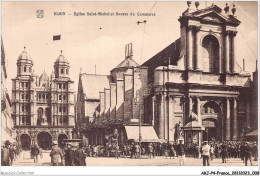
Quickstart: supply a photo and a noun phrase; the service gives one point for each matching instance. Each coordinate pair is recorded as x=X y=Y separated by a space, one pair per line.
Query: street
x=25 y=160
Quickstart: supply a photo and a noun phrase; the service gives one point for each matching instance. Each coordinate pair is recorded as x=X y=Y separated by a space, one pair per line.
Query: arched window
x=62 y=71
x=210 y=54
x=59 y=97
x=22 y=96
x=24 y=69
x=30 y=69
x=67 y=71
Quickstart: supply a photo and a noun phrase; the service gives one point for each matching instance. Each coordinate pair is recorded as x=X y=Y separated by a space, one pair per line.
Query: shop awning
x=147 y=132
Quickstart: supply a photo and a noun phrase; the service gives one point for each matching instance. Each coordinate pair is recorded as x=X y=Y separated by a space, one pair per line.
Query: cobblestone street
x=25 y=160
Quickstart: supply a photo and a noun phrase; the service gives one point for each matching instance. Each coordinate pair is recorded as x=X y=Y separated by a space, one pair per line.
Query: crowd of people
x=245 y=150
x=74 y=154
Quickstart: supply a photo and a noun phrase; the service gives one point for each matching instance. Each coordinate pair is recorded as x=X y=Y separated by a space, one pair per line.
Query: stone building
x=106 y=102
x=43 y=107
x=7 y=122
x=196 y=82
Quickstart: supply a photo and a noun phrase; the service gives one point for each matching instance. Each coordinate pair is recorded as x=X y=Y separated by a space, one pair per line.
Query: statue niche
x=41 y=120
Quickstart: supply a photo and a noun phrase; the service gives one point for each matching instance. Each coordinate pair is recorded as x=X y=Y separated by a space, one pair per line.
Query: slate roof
x=162 y=58
x=93 y=84
x=127 y=63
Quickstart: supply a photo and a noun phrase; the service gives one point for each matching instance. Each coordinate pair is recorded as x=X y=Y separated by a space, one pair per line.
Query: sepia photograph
x=137 y=83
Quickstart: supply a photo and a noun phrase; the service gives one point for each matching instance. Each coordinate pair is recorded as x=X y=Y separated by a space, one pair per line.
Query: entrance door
x=44 y=140
x=210 y=134
x=25 y=141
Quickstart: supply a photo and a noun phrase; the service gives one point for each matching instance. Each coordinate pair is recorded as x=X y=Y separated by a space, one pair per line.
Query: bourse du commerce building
x=194 y=83
x=43 y=107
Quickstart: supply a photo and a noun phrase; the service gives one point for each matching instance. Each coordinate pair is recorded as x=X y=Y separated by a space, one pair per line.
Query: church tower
x=62 y=94
x=23 y=91
x=208 y=39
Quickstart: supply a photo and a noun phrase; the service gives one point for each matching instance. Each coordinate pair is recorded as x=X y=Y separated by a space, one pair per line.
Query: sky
x=87 y=41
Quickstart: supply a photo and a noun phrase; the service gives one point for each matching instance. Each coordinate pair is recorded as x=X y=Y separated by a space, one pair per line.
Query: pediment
x=213 y=16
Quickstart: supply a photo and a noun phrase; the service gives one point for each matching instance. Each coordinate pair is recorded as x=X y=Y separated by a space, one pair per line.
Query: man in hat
x=12 y=154
x=80 y=156
x=55 y=154
x=248 y=153
x=205 y=153
x=69 y=155
x=35 y=153
x=5 y=154
x=181 y=152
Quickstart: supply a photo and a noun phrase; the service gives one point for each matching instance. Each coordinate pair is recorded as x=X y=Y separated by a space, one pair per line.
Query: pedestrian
x=133 y=151
x=172 y=153
x=248 y=153
x=205 y=153
x=151 y=150
x=69 y=155
x=116 y=151
x=12 y=154
x=211 y=152
x=166 y=151
x=124 y=150
x=35 y=153
x=17 y=152
x=55 y=154
x=181 y=152
x=224 y=152
x=5 y=154
x=197 y=150
x=80 y=156
x=40 y=152
x=137 y=150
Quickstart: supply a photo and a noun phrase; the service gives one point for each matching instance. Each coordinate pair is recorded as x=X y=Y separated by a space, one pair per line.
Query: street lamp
x=137 y=99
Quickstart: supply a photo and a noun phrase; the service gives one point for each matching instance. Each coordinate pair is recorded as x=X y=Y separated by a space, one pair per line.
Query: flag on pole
x=56 y=37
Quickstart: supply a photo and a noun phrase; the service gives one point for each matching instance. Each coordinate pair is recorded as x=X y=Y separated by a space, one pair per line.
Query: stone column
x=233 y=59
x=160 y=117
x=234 y=120
x=227 y=119
x=166 y=117
x=189 y=48
x=227 y=43
x=196 y=30
x=247 y=116
x=190 y=106
x=153 y=104
x=198 y=111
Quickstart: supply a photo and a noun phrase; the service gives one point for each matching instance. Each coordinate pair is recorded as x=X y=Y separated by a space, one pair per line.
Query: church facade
x=43 y=107
x=197 y=86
